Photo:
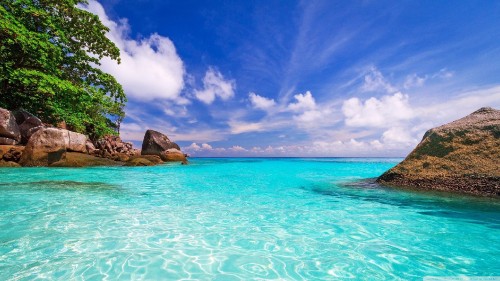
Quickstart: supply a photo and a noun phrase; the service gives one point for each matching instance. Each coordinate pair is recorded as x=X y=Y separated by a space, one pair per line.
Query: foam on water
x=238 y=219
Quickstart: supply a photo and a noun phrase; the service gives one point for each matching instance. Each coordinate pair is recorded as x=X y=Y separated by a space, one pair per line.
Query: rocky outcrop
x=59 y=147
x=10 y=154
x=75 y=159
x=155 y=159
x=44 y=147
x=156 y=143
x=8 y=164
x=113 y=147
x=462 y=156
x=13 y=154
x=75 y=142
x=144 y=160
x=7 y=141
x=171 y=155
x=137 y=162
x=9 y=130
x=28 y=124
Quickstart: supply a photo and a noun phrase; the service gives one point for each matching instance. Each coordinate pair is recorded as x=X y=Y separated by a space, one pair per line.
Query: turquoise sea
x=239 y=219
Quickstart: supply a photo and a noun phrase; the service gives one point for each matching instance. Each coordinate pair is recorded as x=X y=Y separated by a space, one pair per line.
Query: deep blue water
x=239 y=219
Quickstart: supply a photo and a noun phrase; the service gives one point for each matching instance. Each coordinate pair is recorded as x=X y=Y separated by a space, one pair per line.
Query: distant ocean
x=239 y=219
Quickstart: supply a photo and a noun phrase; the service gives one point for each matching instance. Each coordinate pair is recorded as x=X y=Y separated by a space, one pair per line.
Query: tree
x=49 y=54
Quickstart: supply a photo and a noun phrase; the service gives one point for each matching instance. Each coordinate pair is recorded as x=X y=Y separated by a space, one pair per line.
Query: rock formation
x=9 y=130
x=461 y=156
x=75 y=159
x=112 y=147
x=156 y=143
x=28 y=124
x=10 y=155
x=44 y=147
x=59 y=147
x=75 y=142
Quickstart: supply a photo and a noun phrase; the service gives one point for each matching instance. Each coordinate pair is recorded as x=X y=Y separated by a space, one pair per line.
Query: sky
x=301 y=78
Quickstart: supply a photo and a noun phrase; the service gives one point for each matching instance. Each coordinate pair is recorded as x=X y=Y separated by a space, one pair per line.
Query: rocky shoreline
x=462 y=156
x=25 y=141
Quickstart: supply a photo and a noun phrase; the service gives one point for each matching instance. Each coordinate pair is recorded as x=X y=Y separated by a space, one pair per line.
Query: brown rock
x=75 y=159
x=56 y=156
x=5 y=148
x=7 y=141
x=5 y=164
x=121 y=157
x=155 y=143
x=462 y=156
x=155 y=159
x=30 y=132
x=75 y=142
x=173 y=154
x=13 y=154
x=27 y=123
x=139 y=161
x=8 y=126
x=40 y=144
x=90 y=147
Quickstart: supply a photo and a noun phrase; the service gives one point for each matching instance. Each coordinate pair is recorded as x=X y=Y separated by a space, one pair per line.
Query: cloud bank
x=150 y=67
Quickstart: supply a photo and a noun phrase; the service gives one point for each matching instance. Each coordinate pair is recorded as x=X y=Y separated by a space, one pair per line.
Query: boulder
x=30 y=132
x=8 y=126
x=75 y=159
x=27 y=123
x=155 y=159
x=90 y=147
x=173 y=154
x=139 y=161
x=155 y=143
x=121 y=157
x=13 y=154
x=461 y=156
x=75 y=142
x=40 y=144
x=111 y=146
x=7 y=141
x=5 y=148
x=5 y=164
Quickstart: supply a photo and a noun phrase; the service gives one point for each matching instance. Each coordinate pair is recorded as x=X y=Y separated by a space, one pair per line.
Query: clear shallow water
x=238 y=219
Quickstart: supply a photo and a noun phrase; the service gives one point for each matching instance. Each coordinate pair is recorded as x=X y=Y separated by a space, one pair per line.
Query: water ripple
x=238 y=220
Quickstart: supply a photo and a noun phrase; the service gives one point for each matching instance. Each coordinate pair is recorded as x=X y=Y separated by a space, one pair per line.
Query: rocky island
x=461 y=156
x=26 y=141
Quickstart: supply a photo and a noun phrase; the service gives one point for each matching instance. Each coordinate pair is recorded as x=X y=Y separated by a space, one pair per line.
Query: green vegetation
x=49 y=50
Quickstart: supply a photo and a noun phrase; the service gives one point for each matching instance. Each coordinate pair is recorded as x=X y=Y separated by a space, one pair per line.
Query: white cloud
x=206 y=146
x=237 y=148
x=398 y=135
x=374 y=81
x=414 y=80
x=150 y=68
x=261 y=102
x=195 y=147
x=303 y=102
x=309 y=116
x=214 y=85
x=444 y=74
x=238 y=127
x=383 y=112
x=458 y=106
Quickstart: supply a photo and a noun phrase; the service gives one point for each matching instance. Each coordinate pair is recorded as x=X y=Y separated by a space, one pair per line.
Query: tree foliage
x=49 y=53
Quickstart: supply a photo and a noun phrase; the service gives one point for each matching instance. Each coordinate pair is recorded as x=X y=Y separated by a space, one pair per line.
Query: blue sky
x=301 y=78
